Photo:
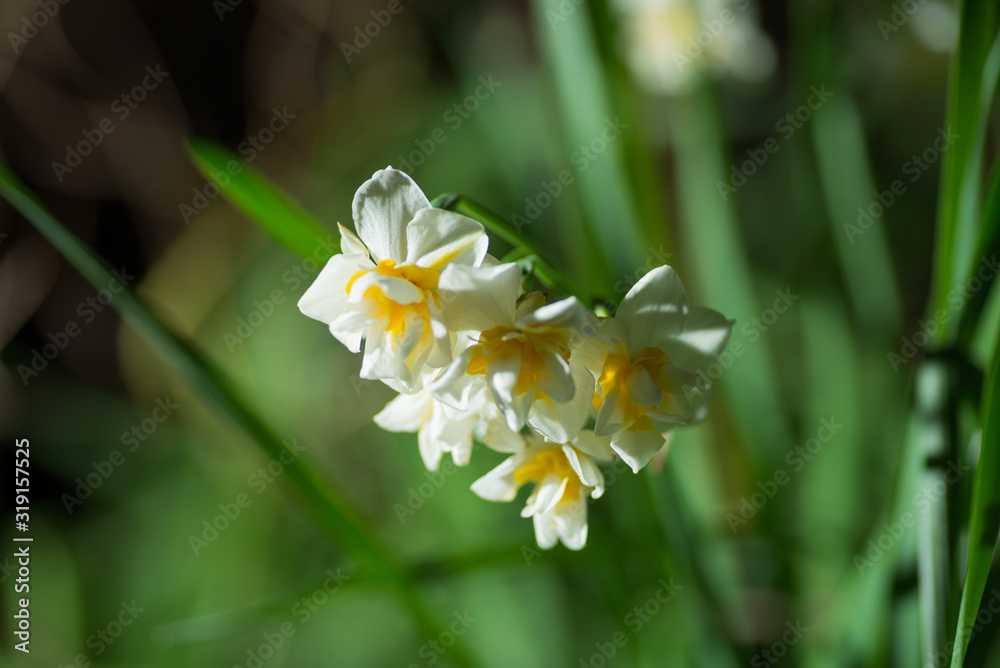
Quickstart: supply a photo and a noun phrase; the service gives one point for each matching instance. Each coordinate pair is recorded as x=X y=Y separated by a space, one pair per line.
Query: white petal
x=350 y=243
x=571 y=520
x=436 y=237
x=498 y=484
x=405 y=413
x=642 y=391
x=562 y=421
x=705 y=336
x=609 y=416
x=585 y=469
x=595 y=446
x=383 y=206
x=557 y=379
x=326 y=298
x=567 y=313
x=653 y=311
x=454 y=386
x=546 y=531
x=430 y=450
x=479 y=299
x=502 y=373
x=394 y=288
x=546 y=495
x=637 y=447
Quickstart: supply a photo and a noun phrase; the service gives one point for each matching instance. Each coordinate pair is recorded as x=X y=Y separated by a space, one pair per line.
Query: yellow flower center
x=424 y=279
x=547 y=462
x=528 y=345
x=618 y=371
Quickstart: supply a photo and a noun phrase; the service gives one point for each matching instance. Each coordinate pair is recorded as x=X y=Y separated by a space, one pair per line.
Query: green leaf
x=261 y=201
x=972 y=85
x=985 y=523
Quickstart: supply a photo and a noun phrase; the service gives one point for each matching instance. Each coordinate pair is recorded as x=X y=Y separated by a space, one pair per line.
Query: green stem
x=549 y=276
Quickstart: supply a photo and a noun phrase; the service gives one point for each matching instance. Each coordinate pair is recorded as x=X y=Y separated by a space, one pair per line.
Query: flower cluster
x=548 y=382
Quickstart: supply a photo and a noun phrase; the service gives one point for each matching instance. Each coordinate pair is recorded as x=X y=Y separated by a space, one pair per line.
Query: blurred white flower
x=670 y=44
x=564 y=477
x=384 y=287
x=539 y=360
x=648 y=384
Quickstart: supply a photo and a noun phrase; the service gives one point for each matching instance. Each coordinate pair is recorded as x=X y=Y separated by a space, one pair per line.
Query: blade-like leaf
x=261 y=201
x=985 y=523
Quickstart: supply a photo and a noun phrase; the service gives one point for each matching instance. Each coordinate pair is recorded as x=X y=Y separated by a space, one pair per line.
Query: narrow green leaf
x=262 y=202
x=972 y=83
x=985 y=523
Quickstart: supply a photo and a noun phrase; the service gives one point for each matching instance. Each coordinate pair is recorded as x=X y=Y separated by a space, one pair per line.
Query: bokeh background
x=734 y=141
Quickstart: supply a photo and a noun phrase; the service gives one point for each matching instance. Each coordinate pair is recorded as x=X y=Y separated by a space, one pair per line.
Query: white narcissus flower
x=442 y=428
x=648 y=384
x=564 y=477
x=539 y=360
x=384 y=286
